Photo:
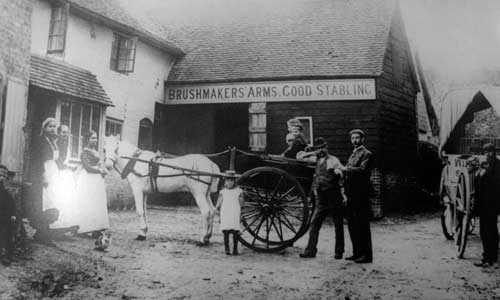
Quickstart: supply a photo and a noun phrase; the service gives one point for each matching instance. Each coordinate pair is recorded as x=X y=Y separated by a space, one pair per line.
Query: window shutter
x=257 y=126
x=15 y=114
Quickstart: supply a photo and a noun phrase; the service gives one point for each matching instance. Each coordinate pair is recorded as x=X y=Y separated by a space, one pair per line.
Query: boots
x=226 y=241
x=235 y=242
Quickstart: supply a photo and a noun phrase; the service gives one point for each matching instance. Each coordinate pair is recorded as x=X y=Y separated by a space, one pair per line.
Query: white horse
x=168 y=180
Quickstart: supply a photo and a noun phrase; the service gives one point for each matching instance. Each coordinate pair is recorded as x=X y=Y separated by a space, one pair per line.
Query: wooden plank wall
x=396 y=91
x=332 y=120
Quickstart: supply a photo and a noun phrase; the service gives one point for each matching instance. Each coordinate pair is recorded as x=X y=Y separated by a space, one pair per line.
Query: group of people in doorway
x=66 y=198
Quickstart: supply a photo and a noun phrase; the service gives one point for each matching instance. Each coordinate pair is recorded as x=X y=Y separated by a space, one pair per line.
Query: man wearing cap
x=488 y=198
x=7 y=218
x=358 y=189
x=327 y=188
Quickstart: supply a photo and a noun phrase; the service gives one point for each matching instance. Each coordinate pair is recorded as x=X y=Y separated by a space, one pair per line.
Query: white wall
x=88 y=45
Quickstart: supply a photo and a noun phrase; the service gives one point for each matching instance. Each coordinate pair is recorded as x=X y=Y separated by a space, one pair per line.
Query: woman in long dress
x=44 y=174
x=90 y=189
x=65 y=186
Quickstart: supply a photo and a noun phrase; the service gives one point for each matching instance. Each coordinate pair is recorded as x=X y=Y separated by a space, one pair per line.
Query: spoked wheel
x=275 y=212
x=448 y=214
x=463 y=216
x=448 y=218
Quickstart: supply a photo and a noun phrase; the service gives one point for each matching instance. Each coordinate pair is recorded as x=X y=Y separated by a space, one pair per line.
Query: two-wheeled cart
x=459 y=175
x=278 y=201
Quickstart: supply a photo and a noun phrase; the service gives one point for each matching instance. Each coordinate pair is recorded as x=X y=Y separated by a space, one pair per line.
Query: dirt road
x=412 y=260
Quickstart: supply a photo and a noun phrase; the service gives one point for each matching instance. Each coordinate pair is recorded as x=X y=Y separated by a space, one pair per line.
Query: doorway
x=231 y=126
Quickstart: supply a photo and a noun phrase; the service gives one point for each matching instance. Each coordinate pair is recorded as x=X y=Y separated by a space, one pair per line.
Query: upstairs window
x=123 y=53
x=57 y=31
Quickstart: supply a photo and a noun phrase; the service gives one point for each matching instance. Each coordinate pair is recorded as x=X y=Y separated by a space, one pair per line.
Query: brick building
x=15 y=31
x=337 y=65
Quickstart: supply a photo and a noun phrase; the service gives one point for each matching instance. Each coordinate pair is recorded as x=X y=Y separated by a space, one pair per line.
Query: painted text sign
x=321 y=90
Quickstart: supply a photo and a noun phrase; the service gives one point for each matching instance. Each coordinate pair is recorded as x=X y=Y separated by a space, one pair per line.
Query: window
x=145 y=134
x=123 y=53
x=80 y=118
x=257 y=126
x=113 y=127
x=308 y=128
x=57 y=31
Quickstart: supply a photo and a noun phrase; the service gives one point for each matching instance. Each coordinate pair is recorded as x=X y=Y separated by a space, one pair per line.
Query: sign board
x=272 y=91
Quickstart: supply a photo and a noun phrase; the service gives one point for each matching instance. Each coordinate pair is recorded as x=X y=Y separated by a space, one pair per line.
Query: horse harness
x=153 y=171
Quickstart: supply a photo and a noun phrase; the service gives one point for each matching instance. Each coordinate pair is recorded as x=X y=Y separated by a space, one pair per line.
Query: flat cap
x=489 y=147
x=358 y=131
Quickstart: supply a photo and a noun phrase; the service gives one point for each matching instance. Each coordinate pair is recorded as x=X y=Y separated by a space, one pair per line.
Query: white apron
x=92 y=205
x=230 y=209
x=65 y=199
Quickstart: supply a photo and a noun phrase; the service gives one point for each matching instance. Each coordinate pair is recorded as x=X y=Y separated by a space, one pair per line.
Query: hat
x=319 y=143
x=294 y=123
x=230 y=174
x=358 y=131
x=489 y=147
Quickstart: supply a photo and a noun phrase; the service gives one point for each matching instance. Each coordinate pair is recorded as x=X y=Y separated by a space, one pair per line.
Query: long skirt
x=65 y=199
x=92 y=204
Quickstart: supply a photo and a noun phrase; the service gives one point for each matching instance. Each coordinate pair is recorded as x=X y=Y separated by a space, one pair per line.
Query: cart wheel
x=463 y=216
x=275 y=212
x=447 y=219
x=448 y=214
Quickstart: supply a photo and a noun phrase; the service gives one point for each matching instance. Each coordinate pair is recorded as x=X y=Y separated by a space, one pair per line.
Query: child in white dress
x=229 y=202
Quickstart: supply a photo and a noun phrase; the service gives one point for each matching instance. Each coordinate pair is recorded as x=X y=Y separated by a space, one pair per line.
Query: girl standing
x=229 y=202
x=90 y=189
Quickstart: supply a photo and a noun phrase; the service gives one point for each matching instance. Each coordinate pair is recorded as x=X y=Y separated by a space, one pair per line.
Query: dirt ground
x=412 y=260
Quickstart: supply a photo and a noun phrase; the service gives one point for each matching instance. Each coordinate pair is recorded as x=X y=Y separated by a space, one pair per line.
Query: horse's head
x=110 y=149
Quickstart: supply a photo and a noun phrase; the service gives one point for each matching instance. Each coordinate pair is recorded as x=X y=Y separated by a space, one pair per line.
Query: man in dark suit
x=358 y=190
x=488 y=197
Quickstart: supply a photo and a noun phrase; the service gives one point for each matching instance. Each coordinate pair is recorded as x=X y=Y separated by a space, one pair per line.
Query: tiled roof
x=261 y=39
x=67 y=79
x=114 y=12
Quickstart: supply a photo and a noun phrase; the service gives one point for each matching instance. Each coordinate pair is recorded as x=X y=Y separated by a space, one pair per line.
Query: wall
x=88 y=45
x=398 y=124
x=331 y=120
x=15 y=31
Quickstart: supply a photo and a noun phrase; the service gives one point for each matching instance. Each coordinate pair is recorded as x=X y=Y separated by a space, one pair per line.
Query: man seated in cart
x=295 y=139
